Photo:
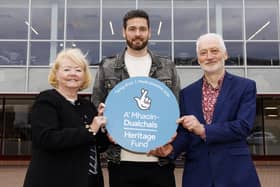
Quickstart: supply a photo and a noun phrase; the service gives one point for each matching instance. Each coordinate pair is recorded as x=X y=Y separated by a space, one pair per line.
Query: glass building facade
x=32 y=32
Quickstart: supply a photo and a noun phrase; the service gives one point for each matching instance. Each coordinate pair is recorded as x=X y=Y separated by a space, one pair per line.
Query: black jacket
x=60 y=141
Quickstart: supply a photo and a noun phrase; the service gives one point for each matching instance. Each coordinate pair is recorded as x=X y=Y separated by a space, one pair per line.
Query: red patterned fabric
x=209 y=98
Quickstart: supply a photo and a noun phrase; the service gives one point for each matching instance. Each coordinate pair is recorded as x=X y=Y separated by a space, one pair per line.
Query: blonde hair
x=78 y=58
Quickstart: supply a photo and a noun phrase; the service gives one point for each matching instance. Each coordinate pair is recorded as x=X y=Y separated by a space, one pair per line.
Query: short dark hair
x=135 y=14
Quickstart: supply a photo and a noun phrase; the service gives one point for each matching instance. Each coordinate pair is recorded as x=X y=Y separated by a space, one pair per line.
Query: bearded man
x=126 y=168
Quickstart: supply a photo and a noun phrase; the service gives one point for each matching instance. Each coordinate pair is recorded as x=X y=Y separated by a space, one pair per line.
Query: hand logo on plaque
x=143 y=102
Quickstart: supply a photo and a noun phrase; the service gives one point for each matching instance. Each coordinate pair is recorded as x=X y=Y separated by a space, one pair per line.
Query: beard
x=213 y=68
x=139 y=45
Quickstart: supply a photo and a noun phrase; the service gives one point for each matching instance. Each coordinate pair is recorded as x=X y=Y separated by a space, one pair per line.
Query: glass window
x=16 y=127
x=160 y=17
x=235 y=53
x=262 y=20
x=265 y=137
x=1 y=123
x=83 y=20
x=160 y=23
x=47 y=19
x=189 y=19
x=112 y=48
x=43 y=53
x=185 y=54
x=161 y=48
x=14 y=19
x=90 y=49
x=13 y=53
x=112 y=23
x=271 y=132
x=255 y=139
x=226 y=18
x=113 y=12
x=263 y=53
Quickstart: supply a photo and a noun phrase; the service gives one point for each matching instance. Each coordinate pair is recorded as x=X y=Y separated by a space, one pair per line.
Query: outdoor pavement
x=268 y=171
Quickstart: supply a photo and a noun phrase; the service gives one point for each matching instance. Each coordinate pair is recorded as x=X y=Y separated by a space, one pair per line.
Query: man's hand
x=191 y=123
x=172 y=138
x=162 y=151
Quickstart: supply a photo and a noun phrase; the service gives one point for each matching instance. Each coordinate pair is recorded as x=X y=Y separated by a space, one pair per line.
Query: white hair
x=211 y=35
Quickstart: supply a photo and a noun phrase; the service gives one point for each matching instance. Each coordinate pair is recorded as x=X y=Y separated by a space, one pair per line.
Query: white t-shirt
x=137 y=66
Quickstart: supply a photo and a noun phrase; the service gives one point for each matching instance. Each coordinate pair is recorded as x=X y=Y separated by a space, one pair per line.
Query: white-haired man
x=217 y=114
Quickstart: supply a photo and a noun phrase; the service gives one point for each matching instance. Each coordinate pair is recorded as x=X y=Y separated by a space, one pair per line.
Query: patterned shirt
x=209 y=99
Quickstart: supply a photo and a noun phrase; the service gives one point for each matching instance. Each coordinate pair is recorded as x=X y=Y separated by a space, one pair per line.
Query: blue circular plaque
x=141 y=114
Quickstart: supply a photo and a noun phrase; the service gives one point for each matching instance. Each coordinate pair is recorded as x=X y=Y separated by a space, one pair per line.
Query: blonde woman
x=66 y=134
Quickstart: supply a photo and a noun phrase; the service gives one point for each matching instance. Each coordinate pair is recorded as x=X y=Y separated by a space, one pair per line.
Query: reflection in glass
x=13 y=53
x=83 y=20
x=264 y=139
x=160 y=23
x=257 y=149
x=13 y=17
x=271 y=132
x=262 y=20
x=235 y=54
x=226 y=18
x=112 y=23
x=90 y=50
x=1 y=122
x=189 y=20
x=113 y=12
x=44 y=53
x=17 y=129
x=40 y=53
x=263 y=54
x=185 y=54
x=112 y=48
x=160 y=48
x=47 y=19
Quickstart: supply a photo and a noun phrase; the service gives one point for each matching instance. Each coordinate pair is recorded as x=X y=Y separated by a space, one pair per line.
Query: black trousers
x=95 y=180
x=141 y=174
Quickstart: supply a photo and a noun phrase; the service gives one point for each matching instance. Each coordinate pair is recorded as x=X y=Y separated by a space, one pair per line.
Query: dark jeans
x=140 y=174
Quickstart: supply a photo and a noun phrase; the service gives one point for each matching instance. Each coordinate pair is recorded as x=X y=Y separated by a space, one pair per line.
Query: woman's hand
x=100 y=109
x=97 y=123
